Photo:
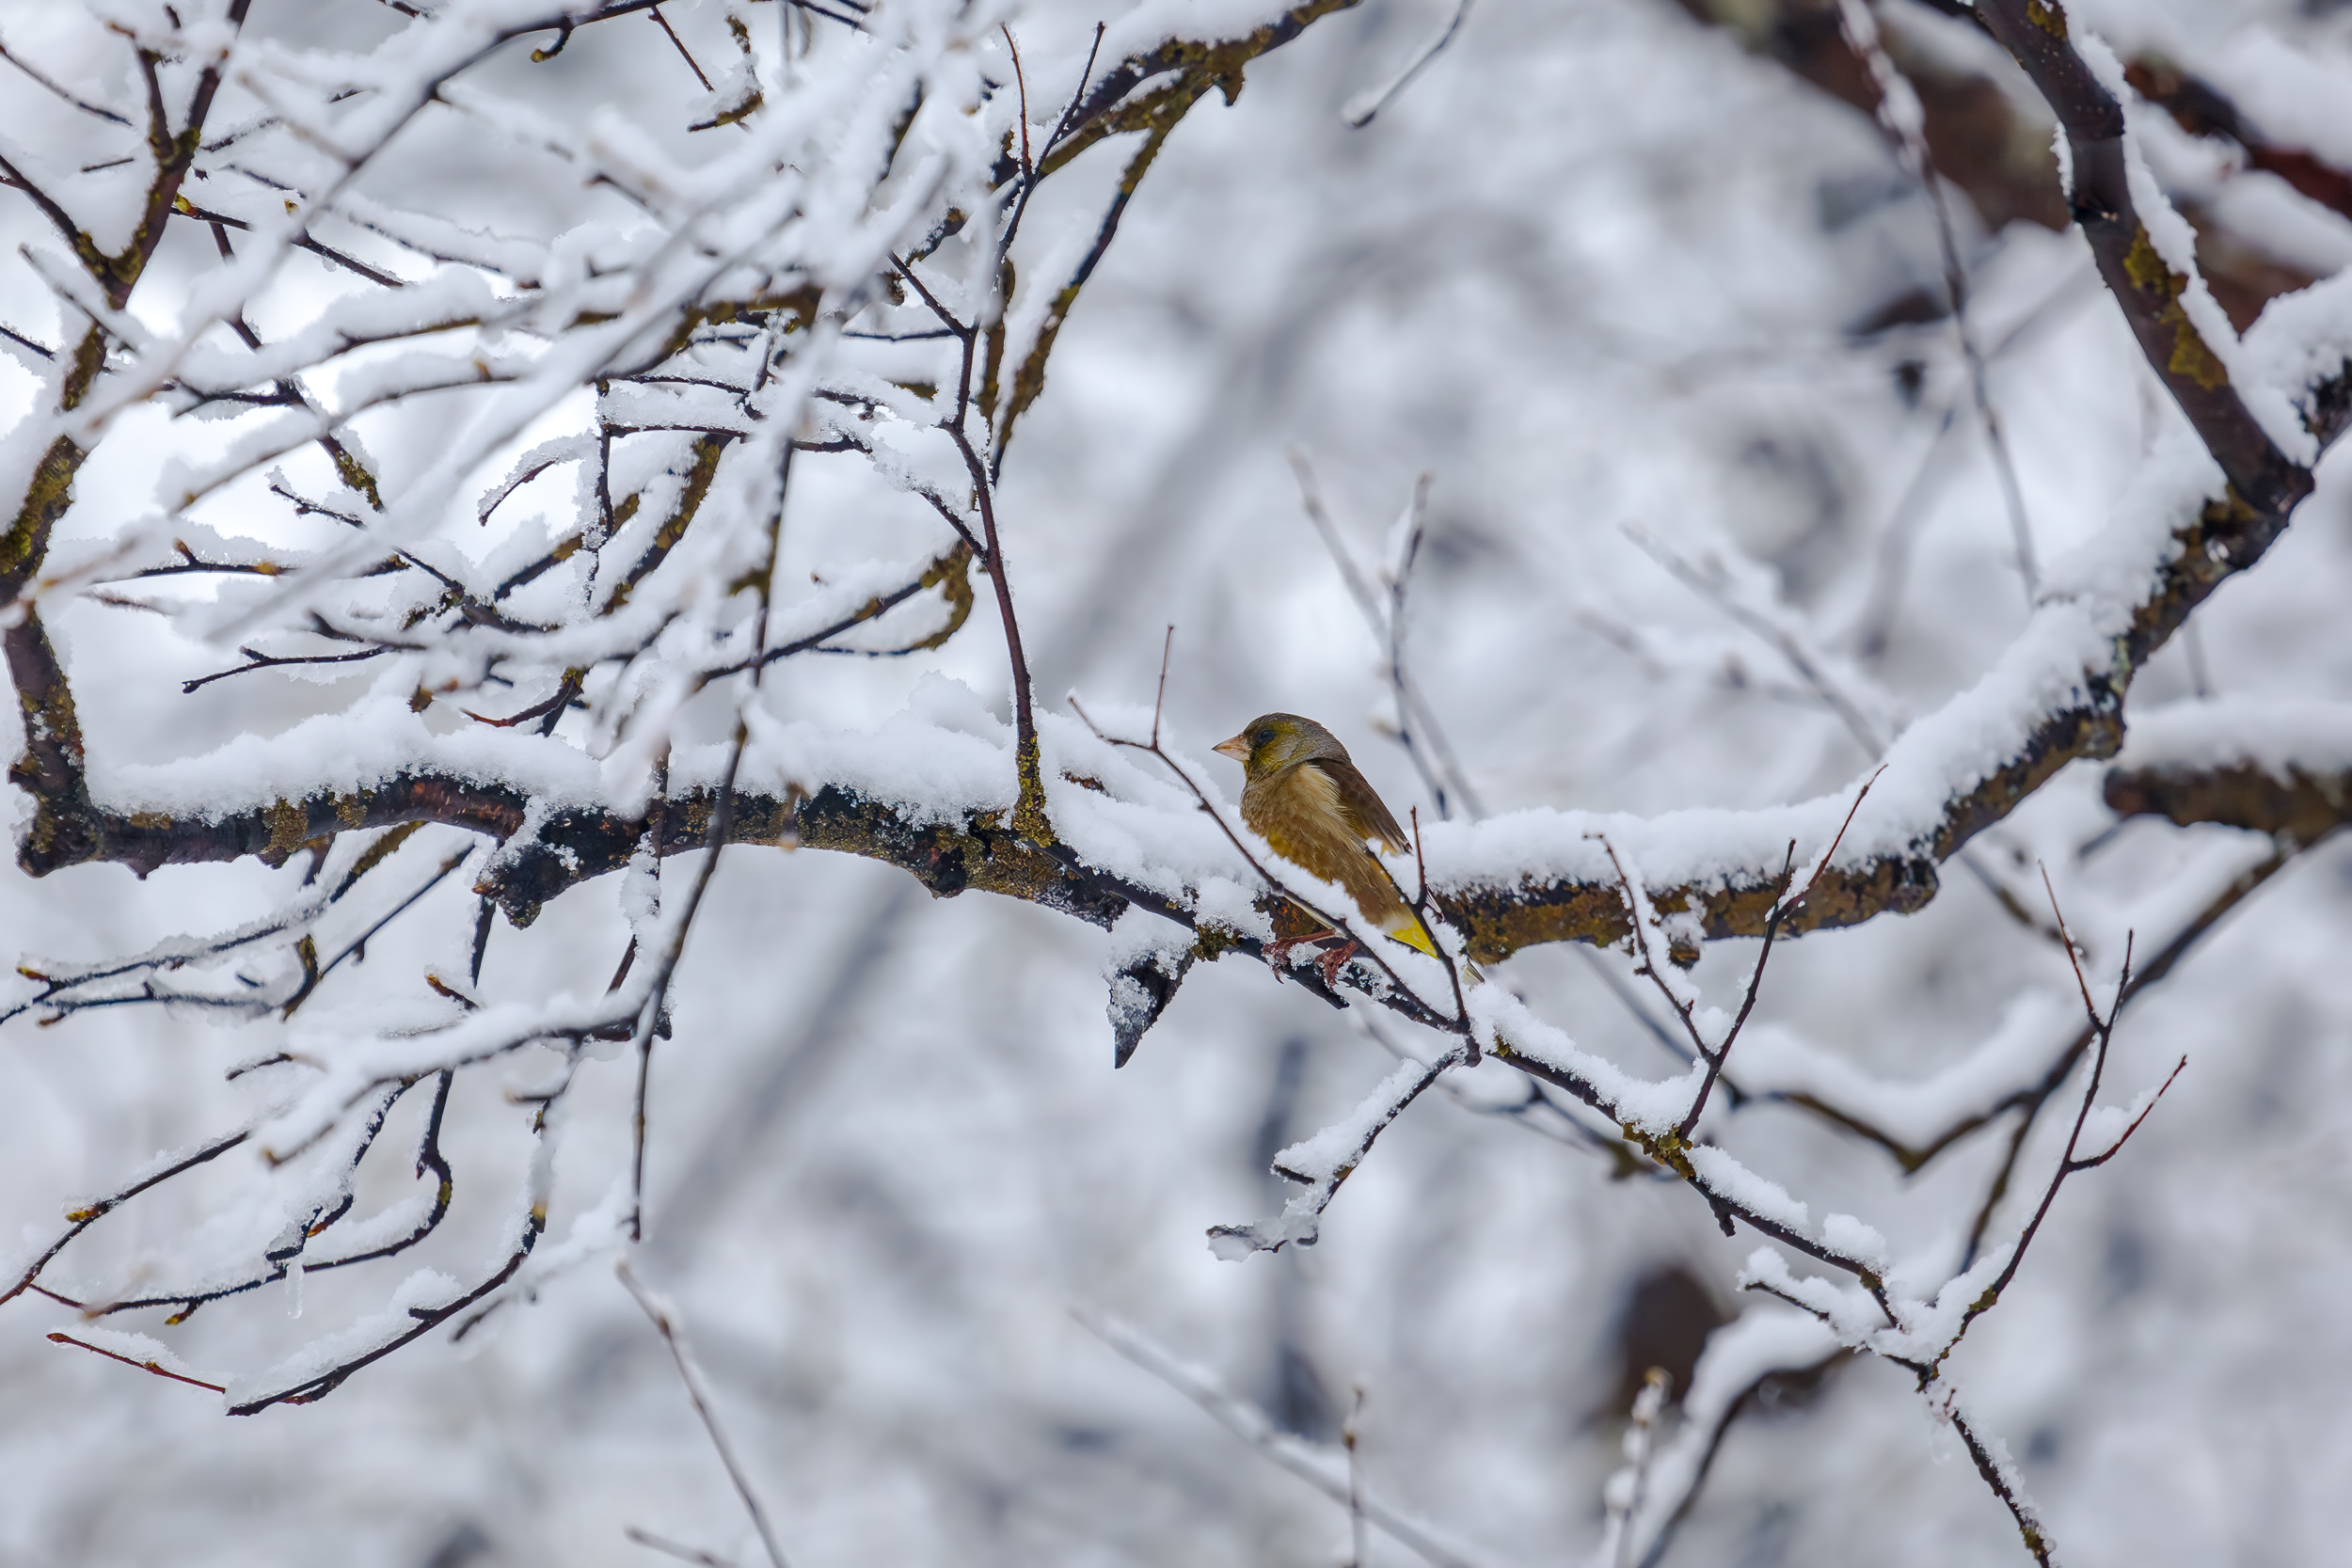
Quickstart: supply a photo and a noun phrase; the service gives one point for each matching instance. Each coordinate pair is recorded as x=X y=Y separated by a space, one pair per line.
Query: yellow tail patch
x=1414 y=937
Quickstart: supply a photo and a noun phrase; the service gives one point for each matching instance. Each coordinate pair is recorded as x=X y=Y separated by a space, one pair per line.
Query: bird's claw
x=1332 y=962
x=1278 y=953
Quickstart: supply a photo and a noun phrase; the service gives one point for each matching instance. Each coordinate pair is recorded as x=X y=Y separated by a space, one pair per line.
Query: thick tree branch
x=2298 y=804
x=2035 y=31
x=2227 y=536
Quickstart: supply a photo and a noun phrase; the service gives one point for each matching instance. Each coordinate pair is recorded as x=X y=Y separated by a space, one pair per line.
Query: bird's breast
x=1299 y=814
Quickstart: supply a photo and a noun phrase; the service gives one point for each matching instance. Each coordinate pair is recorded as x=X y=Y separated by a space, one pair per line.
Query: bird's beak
x=1237 y=748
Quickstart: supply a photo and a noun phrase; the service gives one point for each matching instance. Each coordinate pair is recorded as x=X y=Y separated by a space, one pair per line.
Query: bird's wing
x=1366 y=815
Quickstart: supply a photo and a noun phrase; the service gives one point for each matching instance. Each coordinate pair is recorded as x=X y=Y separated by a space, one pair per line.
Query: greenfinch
x=1304 y=797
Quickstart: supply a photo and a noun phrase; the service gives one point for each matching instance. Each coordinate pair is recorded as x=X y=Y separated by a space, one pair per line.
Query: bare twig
x=2071 y=1160
x=1318 y=1469
x=654 y=11
x=159 y=1370
x=1782 y=910
x=1358 y=1551
x=1900 y=112
x=1360 y=110
x=1415 y=716
x=658 y=1312
x=676 y=1549
x=1808 y=663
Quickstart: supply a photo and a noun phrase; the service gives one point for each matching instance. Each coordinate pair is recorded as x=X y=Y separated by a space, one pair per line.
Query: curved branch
x=2036 y=33
x=1497 y=915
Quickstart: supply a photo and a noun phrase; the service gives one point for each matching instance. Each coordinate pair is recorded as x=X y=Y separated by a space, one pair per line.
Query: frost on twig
x=525 y=643
x=1739 y=1359
x=519 y=626
x=1322 y=1161
x=1622 y=1496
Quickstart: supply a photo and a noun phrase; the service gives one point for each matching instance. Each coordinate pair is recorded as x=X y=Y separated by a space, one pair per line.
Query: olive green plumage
x=1303 y=796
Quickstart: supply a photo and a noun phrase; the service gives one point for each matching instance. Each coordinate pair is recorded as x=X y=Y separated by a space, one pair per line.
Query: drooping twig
x=657 y=829
x=722 y=820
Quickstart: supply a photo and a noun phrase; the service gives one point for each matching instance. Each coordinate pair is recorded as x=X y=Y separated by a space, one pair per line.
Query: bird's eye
x=1264 y=737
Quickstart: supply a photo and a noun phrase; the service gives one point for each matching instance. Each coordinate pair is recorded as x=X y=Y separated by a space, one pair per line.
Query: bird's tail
x=1412 y=935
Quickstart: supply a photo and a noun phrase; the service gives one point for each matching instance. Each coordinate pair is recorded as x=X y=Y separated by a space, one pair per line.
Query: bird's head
x=1273 y=741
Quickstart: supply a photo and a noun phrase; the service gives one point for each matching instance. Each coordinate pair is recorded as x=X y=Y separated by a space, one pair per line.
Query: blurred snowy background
x=1614 y=276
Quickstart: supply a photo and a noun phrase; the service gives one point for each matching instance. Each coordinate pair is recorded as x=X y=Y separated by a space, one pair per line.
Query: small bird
x=1304 y=797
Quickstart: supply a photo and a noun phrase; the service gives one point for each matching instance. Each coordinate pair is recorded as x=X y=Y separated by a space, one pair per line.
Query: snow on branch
x=590 y=547
x=527 y=615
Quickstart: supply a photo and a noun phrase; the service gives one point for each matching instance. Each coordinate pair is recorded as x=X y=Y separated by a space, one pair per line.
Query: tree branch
x=2264 y=478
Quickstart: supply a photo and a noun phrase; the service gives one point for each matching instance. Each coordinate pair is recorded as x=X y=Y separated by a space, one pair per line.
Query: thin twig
x=1899 y=114
x=1361 y=110
x=1782 y=910
x=658 y=1313
x=1807 y=664
x=1029 y=815
x=268 y=661
x=676 y=1549
x=131 y=1361
x=1415 y=716
x=81 y=1219
x=1021 y=83
x=2102 y=1031
x=1061 y=129
x=81 y=103
x=1996 y=1475
x=1250 y=1425
x=654 y=11
x=1358 y=1552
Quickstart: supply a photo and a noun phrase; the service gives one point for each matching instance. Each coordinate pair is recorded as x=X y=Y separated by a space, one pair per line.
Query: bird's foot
x=1277 y=952
x=1335 y=960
